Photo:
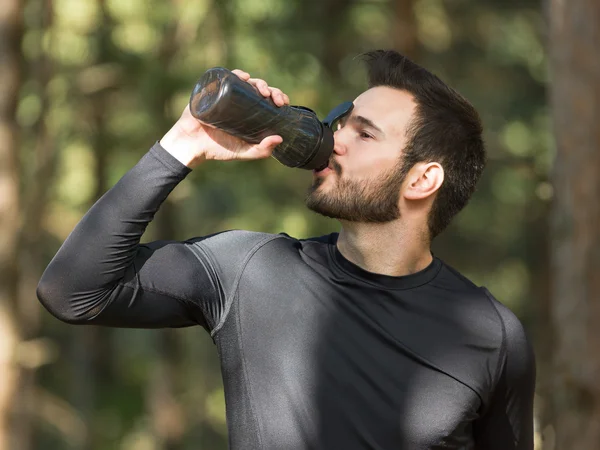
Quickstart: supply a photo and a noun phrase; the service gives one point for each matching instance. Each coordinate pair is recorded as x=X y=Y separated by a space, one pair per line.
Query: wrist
x=178 y=144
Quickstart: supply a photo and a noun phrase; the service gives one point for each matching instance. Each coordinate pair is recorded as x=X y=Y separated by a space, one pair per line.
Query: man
x=356 y=340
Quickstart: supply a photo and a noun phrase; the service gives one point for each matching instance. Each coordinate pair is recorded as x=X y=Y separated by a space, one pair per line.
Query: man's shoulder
x=246 y=242
x=508 y=325
x=451 y=279
x=514 y=331
x=231 y=239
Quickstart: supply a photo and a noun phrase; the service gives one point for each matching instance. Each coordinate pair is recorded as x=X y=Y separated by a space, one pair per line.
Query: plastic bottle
x=222 y=99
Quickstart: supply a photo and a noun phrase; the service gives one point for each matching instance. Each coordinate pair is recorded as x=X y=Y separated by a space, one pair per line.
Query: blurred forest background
x=87 y=86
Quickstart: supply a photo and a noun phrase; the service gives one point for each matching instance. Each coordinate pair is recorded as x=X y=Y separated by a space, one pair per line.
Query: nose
x=339 y=148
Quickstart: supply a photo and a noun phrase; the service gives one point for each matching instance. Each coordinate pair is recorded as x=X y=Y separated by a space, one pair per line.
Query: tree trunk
x=35 y=193
x=169 y=421
x=91 y=353
x=404 y=29
x=575 y=255
x=334 y=14
x=11 y=32
x=223 y=30
x=167 y=414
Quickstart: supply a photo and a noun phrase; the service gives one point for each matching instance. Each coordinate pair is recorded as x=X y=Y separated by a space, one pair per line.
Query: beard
x=366 y=201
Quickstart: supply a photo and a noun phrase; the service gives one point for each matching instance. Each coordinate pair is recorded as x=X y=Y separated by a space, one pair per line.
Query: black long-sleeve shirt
x=316 y=353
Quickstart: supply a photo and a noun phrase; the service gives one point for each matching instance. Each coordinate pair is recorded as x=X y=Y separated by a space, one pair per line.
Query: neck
x=389 y=249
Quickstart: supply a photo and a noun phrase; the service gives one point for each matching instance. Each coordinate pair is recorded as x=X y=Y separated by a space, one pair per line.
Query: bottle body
x=221 y=99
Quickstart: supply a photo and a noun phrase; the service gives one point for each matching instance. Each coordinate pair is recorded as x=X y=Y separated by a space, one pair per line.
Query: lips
x=324 y=166
x=322 y=170
x=331 y=166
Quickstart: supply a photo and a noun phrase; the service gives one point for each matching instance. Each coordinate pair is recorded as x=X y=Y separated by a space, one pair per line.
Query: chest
x=326 y=360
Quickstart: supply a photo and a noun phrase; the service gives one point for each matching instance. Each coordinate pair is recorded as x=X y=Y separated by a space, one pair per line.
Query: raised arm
x=103 y=275
x=95 y=276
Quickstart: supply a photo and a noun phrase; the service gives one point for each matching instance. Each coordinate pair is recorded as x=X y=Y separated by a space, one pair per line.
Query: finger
x=286 y=99
x=278 y=96
x=241 y=74
x=261 y=85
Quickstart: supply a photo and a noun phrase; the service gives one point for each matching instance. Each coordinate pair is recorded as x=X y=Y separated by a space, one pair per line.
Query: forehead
x=390 y=109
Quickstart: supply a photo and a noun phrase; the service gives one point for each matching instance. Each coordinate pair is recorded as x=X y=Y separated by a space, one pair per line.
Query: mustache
x=335 y=166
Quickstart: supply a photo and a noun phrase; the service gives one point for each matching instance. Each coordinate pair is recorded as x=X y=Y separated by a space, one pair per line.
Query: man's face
x=365 y=174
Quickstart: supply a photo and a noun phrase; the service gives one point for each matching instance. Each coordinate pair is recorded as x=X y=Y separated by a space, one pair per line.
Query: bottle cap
x=320 y=157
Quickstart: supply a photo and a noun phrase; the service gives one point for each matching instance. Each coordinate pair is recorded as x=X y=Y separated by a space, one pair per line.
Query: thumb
x=266 y=147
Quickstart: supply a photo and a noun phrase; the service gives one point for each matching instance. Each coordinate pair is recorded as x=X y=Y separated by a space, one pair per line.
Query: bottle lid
x=319 y=159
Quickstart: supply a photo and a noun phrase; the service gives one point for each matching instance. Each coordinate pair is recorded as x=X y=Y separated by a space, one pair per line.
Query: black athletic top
x=316 y=353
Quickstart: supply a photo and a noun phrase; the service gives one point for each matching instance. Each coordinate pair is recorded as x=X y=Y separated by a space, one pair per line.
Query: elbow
x=56 y=301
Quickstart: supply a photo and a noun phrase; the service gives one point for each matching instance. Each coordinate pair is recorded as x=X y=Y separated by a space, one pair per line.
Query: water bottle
x=222 y=99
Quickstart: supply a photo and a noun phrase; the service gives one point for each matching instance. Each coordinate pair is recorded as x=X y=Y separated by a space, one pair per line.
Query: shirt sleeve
x=508 y=422
x=102 y=275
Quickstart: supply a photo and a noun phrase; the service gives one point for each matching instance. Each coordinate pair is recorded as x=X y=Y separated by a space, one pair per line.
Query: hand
x=193 y=142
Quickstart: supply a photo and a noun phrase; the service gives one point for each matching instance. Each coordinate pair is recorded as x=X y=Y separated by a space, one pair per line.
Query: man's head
x=410 y=143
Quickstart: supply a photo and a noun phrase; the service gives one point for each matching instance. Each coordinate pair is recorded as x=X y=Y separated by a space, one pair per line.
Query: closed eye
x=361 y=133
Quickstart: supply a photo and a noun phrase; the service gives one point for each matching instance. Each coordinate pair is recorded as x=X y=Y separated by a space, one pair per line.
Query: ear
x=423 y=180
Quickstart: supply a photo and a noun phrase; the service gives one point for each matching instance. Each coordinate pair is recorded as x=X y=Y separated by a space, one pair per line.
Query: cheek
x=369 y=164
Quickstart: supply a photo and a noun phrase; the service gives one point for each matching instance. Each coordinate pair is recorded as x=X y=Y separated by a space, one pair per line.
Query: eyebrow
x=366 y=123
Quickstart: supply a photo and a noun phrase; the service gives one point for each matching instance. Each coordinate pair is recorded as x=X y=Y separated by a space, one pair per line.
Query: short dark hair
x=446 y=128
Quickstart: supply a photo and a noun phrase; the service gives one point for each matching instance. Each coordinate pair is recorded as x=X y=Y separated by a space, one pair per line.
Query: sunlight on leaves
x=36 y=353
x=136 y=36
x=141 y=438
x=259 y=9
x=215 y=410
x=60 y=220
x=127 y=10
x=59 y=117
x=509 y=282
x=511 y=187
x=129 y=122
x=193 y=12
x=294 y=223
x=433 y=25
x=31 y=43
x=518 y=138
x=370 y=20
x=181 y=192
x=305 y=69
x=253 y=55
x=544 y=139
x=515 y=40
x=475 y=218
x=77 y=15
x=190 y=16
x=307 y=97
x=99 y=77
x=29 y=109
x=68 y=47
x=180 y=100
x=212 y=54
x=76 y=168
x=544 y=191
